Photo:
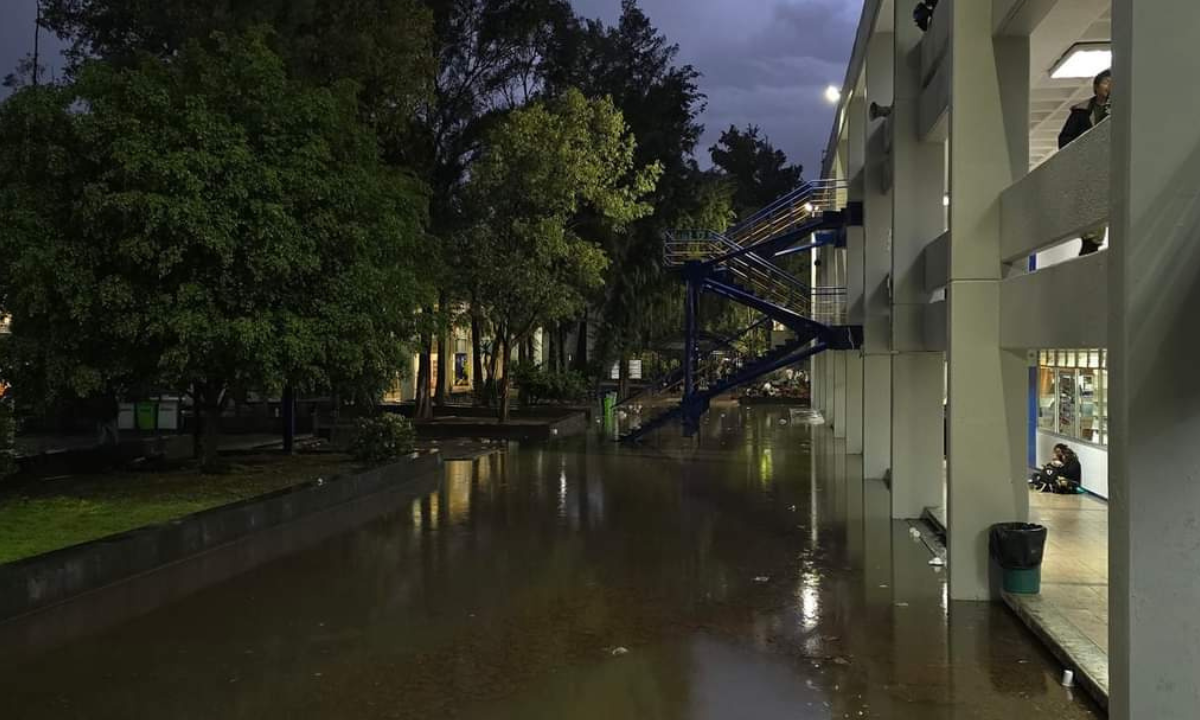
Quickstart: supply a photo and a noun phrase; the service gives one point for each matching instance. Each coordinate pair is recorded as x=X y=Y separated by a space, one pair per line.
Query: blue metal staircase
x=742 y=266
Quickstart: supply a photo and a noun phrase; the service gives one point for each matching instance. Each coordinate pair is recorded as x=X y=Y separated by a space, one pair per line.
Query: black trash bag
x=1017 y=546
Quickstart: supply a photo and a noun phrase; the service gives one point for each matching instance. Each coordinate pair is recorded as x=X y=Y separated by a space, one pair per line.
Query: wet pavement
x=748 y=574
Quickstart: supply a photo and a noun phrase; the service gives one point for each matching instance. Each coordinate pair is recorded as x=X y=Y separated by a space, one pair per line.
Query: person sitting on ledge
x=1062 y=475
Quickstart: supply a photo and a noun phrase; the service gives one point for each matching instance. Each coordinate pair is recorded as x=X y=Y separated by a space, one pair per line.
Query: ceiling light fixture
x=1083 y=60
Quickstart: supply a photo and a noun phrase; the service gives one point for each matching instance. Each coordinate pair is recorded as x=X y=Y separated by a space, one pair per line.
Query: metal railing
x=790 y=211
x=829 y=305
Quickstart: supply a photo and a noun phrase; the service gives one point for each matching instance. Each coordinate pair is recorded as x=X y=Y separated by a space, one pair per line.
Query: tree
x=203 y=222
x=759 y=171
x=385 y=46
x=489 y=54
x=540 y=169
x=635 y=65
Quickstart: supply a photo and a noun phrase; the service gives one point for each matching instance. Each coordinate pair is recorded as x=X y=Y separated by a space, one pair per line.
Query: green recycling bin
x=147 y=415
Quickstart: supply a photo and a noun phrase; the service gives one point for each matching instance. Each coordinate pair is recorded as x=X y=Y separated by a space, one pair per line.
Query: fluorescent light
x=833 y=95
x=1083 y=60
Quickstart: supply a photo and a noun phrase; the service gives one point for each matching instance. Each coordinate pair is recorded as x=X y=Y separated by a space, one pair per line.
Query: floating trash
x=762 y=579
x=620 y=651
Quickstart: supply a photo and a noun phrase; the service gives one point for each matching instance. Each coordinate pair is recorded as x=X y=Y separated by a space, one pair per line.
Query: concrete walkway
x=1071 y=613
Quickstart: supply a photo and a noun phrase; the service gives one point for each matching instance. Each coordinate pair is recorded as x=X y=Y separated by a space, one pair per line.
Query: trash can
x=1018 y=548
x=147 y=415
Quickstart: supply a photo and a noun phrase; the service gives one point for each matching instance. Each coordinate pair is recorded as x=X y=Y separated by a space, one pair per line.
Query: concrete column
x=877 y=265
x=853 y=261
x=917 y=219
x=1154 y=297
x=987 y=384
x=838 y=415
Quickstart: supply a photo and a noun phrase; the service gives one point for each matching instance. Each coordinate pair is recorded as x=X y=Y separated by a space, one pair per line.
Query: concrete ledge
x=1063 y=197
x=1072 y=648
x=39 y=582
x=1078 y=293
x=545 y=429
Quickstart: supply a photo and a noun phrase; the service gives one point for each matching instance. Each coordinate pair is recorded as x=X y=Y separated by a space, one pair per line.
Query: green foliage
x=386 y=46
x=635 y=65
x=202 y=221
x=539 y=385
x=542 y=167
x=382 y=439
x=760 y=172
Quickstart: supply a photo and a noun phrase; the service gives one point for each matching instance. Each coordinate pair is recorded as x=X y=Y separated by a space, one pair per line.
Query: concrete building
x=986 y=339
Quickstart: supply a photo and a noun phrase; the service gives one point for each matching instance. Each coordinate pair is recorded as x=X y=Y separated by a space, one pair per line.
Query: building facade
x=987 y=337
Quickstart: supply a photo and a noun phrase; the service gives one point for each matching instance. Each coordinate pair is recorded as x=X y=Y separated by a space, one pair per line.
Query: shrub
x=538 y=385
x=383 y=438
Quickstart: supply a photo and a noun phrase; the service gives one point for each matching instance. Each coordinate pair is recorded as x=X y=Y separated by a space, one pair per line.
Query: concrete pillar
x=1154 y=296
x=987 y=384
x=838 y=416
x=853 y=258
x=877 y=266
x=917 y=219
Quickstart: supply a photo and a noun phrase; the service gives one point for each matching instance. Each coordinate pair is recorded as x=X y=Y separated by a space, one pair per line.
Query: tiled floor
x=1071 y=613
x=1075 y=570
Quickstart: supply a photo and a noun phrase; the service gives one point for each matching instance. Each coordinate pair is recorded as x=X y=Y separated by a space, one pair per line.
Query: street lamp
x=833 y=95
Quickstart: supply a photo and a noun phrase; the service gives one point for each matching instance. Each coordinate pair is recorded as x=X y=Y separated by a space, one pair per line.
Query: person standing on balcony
x=1084 y=117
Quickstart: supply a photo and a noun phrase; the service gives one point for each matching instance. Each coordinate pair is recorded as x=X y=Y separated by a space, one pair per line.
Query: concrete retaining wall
x=38 y=582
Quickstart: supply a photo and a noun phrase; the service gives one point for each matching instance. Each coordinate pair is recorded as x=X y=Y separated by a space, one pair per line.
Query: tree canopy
x=759 y=171
x=541 y=168
x=203 y=222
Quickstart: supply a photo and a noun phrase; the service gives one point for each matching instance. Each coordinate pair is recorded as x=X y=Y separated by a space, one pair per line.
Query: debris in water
x=620 y=651
x=762 y=579
x=901 y=604
x=1068 y=678
x=938 y=561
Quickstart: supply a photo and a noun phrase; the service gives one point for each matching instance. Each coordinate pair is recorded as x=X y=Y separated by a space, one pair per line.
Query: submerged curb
x=41 y=581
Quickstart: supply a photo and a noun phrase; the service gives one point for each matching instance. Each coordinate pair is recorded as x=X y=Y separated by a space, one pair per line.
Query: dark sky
x=767 y=66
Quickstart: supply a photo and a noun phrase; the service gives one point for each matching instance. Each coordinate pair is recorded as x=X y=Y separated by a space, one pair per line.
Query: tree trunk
x=503 y=384
x=550 y=345
x=443 y=349
x=424 y=372
x=288 y=415
x=560 y=341
x=623 y=378
x=581 y=345
x=209 y=404
x=477 y=379
x=522 y=354
x=197 y=423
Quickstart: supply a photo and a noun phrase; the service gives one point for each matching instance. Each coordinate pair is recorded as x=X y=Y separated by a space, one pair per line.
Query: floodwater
x=750 y=574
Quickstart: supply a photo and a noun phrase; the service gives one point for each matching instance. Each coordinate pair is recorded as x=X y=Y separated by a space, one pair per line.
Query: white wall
x=1093 y=459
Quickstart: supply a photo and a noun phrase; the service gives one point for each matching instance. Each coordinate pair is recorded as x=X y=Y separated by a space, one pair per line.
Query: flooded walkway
x=749 y=574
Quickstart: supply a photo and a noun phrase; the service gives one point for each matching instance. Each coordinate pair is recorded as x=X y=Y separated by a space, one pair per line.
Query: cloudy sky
x=767 y=66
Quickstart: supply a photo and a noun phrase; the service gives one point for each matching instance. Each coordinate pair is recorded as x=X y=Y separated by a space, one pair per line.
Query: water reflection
x=748 y=573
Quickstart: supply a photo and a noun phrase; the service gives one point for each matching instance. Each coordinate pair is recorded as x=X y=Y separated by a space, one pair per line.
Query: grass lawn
x=53 y=514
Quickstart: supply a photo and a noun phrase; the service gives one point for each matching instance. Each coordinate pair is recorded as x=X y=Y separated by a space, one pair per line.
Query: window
x=1072 y=394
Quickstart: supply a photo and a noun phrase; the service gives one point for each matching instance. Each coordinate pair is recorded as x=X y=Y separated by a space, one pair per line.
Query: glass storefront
x=1073 y=394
